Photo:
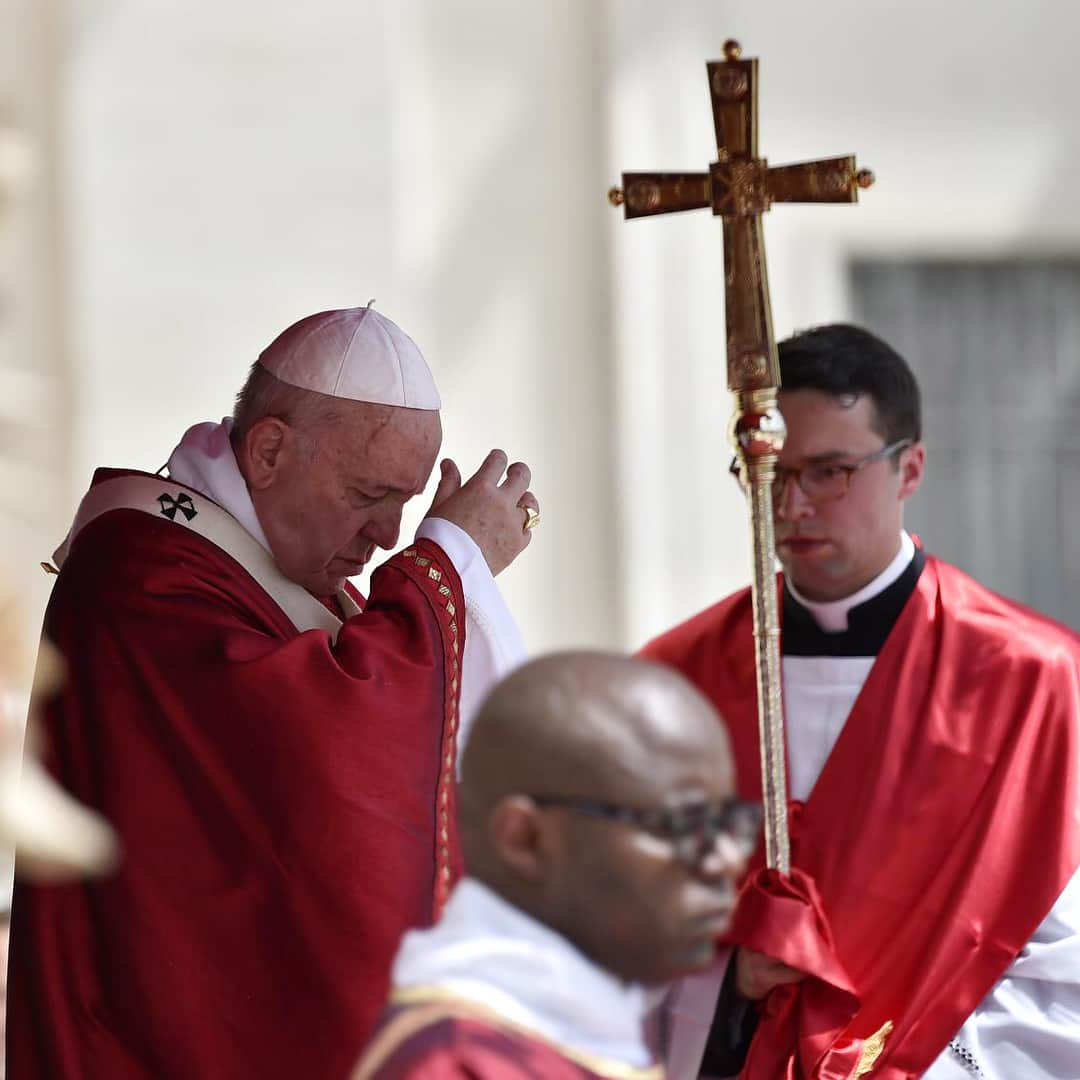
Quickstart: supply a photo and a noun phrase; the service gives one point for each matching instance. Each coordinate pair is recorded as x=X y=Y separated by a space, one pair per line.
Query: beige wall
x=227 y=166
x=230 y=173
x=34 y=396
x=34 y=399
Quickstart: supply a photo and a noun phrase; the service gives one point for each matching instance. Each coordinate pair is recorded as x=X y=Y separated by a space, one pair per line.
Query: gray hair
x=264 y=394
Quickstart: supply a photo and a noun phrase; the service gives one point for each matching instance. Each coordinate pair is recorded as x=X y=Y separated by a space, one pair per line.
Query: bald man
x=603 y=842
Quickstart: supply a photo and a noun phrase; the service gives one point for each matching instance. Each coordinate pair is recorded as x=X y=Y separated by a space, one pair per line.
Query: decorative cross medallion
x=740 y=187
x=182 y=502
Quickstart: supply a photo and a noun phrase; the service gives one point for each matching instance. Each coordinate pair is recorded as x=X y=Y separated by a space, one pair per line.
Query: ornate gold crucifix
x=740 y=187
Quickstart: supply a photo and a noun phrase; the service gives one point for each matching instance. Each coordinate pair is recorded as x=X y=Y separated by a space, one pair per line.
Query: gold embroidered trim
x=872 y=1047
x=447 y=778
x=428 y=1005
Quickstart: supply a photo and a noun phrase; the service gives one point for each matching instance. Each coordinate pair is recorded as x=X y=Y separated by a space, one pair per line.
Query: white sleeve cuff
x=493 y=642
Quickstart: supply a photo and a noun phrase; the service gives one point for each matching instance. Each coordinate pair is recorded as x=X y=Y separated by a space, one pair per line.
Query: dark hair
x=848 y=361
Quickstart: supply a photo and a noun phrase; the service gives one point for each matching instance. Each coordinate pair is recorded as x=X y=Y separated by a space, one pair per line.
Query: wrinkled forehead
x=393 y=447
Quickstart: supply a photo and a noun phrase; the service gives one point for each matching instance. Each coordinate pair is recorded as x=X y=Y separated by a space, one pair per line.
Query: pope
x=276 y=753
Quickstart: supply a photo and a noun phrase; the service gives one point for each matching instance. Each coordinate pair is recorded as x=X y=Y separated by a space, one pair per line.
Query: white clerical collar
x=832 y=615
x=205 y=461
x=491 y=953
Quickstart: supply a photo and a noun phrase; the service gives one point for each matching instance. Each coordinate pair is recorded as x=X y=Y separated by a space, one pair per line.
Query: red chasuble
x=284 y=803
x=457 y=1040
x=943 y=827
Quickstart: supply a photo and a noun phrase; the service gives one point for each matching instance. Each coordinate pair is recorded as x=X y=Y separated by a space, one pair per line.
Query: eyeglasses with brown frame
x=692 y=828
x=822 y=481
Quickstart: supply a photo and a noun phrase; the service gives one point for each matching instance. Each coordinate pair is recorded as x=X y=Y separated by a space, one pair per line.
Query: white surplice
x=491 y=953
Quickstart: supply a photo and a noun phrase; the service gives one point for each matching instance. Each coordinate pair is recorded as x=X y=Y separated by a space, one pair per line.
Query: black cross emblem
x=182 y=502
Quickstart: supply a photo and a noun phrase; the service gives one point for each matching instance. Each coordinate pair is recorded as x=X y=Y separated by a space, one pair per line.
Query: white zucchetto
x=354 y=353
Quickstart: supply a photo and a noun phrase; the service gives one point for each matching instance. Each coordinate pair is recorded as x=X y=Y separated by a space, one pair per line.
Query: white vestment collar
x=204 y=460
x=491 y=953
x=832 y=615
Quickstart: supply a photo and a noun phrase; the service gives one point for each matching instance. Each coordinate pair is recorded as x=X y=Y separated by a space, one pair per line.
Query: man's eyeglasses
x=822 y=481
x=692 y=829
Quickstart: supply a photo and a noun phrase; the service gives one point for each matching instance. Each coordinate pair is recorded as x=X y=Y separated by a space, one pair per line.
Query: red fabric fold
x=783 y=917
x=279 y=797
x=932 y=863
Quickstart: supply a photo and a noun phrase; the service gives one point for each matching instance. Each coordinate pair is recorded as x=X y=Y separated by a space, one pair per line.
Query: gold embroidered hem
x=428 y=1005
x=872 y=1048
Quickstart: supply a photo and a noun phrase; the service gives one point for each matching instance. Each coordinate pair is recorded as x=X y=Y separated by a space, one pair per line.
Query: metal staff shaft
x=758 y=434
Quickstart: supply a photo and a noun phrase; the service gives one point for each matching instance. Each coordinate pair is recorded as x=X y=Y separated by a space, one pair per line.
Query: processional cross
x=740 y=187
